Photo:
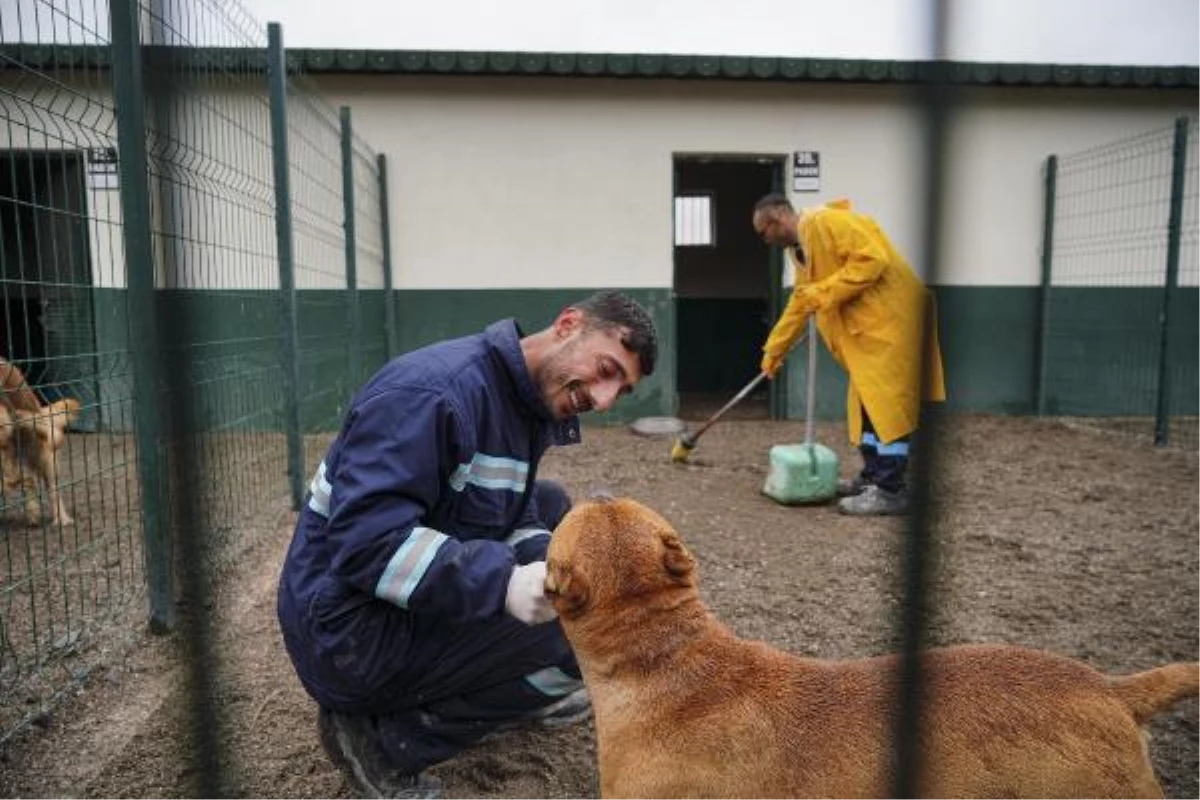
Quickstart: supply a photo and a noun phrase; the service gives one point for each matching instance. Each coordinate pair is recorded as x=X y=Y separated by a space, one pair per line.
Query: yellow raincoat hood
x=872 y=312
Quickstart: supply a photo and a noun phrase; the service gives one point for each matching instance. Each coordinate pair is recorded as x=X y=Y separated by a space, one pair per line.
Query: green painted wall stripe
x=1101 y=352
x=988 y=338
x=1103 y=349
x=236 y=361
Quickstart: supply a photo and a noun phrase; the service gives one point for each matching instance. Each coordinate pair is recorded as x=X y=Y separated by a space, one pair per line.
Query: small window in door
x=695 y=222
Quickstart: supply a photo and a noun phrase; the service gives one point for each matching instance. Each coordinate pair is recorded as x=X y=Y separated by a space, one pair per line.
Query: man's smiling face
x=588 y=369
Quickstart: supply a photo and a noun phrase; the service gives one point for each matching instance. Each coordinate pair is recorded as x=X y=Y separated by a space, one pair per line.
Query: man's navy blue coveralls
x=391 y=598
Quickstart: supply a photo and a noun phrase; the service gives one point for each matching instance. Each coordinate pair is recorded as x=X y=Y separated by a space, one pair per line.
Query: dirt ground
x=1051 y=536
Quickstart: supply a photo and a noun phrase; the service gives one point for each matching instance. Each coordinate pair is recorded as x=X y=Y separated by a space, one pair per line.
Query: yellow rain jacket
x=871 y=312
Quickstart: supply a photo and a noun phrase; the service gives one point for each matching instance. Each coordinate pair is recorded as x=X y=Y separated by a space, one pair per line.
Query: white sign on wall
x=102 y=167
x=806 y=171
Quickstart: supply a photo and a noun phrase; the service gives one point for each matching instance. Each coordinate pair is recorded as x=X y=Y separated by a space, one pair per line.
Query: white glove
x=526 y=598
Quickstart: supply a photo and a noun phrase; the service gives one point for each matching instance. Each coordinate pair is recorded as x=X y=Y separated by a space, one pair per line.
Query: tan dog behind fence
x=31 y=436
x=683 y=708
x=15 y=393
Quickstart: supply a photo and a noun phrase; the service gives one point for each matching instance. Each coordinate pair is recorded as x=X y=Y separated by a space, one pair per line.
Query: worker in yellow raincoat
x=878 y=321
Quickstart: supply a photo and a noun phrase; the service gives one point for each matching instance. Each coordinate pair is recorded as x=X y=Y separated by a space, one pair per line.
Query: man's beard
x=554 y=381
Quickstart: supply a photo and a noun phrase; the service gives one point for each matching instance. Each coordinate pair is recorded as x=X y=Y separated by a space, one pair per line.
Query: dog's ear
x=568 y=590
x=676 y=559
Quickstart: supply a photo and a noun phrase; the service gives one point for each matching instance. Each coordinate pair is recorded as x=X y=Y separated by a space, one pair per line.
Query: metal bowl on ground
x=658 y=426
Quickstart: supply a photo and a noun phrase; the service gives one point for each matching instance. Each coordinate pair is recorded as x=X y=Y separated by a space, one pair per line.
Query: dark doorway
x=23 y=339
x=45 y=269
x=724 y=303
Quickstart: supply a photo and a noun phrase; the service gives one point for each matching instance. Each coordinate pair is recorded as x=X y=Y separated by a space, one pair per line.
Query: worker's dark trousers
x=883 y=464
x=475 y=677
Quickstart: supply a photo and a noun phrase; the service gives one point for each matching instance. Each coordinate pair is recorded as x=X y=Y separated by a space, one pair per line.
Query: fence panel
x=368 y=236
x=69 y=577
x=314 y=141
x=1111 y=309
x=206 y=332
x=1182 y=339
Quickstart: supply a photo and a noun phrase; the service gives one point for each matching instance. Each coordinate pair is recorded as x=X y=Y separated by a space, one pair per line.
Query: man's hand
x=526 y=598
x=771 y=362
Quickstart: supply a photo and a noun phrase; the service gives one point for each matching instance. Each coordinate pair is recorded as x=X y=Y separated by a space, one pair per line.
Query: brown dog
x=30 y=437
x=683 y=708
x=15 y=393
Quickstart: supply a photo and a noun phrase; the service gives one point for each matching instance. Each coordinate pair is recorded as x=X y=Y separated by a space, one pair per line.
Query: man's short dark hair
x=608 y=309
x=773 y=201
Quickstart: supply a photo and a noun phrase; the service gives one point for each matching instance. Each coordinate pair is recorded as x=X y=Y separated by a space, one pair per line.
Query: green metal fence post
x=1162 y=416
x=355 y=323
x=389 y=300
x=777 y=298
x=1041 y=343
x=129 y=96
x=290 y=350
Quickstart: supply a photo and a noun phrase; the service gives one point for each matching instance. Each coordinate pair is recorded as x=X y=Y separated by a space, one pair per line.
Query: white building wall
x=566 y=183
x=513 y=183
x=212 y=192
x=999 y=145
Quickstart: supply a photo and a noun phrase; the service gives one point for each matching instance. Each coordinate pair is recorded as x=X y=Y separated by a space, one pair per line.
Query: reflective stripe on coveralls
x=524 y=535
x=890 y=449
x=491 y=472
x=406 y=568
x=319 y=491
x=553 y=682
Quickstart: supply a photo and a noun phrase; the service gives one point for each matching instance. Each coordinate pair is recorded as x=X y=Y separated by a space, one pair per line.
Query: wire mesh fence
x=193 y=285
x=1120 y=277
x=373 y=282
x=321 y=276
x=146 y=316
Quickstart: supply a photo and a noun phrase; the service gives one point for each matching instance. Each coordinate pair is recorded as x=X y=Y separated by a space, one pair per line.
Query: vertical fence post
x=937 y=102
x=1041 y=342
x=389 y=301
x=290 y=350
x=777 y=298
x=356 y=375
x=1162 y=416
x=129 y=96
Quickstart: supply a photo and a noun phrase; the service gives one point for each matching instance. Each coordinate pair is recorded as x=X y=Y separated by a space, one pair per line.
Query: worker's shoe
x=850 y=487
x=575 y=707
x=353 y=746
x=875 y=502
x=568 y=710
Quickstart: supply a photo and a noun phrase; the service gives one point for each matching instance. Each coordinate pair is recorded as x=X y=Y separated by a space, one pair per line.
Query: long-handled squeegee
x=687 y=442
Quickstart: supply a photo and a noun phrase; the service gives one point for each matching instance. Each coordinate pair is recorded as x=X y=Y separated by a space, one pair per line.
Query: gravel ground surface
x=1051 y=536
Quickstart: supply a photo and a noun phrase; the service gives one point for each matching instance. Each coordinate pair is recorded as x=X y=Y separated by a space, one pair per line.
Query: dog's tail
x=50 y=422
x=1155 y=690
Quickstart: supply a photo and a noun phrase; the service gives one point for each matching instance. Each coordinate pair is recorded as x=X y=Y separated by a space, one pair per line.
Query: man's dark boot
x=353 y=745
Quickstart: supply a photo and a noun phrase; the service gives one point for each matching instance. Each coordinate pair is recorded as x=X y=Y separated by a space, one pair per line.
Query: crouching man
x=411 y=597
